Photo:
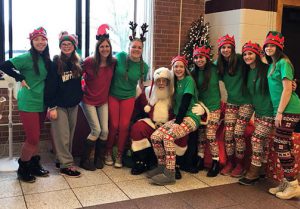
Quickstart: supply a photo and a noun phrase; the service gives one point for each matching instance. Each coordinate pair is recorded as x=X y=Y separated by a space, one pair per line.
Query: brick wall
x=166 y=27
x=18 y=133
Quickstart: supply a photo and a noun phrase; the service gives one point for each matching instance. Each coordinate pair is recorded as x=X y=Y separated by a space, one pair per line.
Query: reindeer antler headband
x=133 y=29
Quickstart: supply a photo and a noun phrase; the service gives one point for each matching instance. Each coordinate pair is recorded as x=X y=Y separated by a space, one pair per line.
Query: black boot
x=85 y=161
x=214 y=169
x=140 y=159
x=24 y=171
x=179 y=164
x=99 y=154
x=36 y=167
x=200 y=164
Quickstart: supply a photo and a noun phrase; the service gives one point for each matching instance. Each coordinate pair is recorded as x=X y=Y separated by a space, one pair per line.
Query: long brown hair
x=97 y=56
x=277 y=56
x=62 y=62
x=231 y=64
x=35 y=58
x=261 y=74
x=207 y=75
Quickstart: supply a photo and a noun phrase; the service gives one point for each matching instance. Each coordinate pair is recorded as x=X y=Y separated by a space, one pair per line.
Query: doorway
x=291 y=31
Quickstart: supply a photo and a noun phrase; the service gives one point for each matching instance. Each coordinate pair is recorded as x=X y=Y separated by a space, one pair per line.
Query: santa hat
x=102 y=32
x=254 y=47
x=274 y=37
x=202 y=51
x=40 y=31
x=65 y=36
x=226 y=40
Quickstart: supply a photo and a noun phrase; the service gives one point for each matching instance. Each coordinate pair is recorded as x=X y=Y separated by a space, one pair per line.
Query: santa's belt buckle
x=158 y=124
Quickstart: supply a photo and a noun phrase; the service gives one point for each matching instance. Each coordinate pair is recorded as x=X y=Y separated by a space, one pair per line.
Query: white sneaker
x=279 y=188
x=118 y=162
x=108 y=160
x=292 y=190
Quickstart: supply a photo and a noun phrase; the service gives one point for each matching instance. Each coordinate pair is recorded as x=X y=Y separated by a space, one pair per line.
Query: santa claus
x=156 y=101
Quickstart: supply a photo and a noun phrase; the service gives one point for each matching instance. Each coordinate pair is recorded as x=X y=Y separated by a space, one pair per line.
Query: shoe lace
x=284 y=184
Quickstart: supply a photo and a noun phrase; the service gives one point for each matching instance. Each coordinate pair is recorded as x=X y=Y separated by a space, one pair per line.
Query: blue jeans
x=97 y=118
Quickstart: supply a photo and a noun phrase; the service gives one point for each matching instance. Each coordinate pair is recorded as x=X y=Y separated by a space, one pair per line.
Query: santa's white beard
x=159 y=94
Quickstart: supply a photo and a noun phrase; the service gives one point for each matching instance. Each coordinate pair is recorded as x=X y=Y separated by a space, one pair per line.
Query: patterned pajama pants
x=260 y=139
x=163 y=140
x=236 y=120
x=208 y=133
x=283 y=144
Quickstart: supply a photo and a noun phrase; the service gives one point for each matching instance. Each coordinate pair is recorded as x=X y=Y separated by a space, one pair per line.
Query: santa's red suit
x=157 y=113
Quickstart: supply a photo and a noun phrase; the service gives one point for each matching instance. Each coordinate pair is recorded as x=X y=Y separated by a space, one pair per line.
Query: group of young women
x=106 y=87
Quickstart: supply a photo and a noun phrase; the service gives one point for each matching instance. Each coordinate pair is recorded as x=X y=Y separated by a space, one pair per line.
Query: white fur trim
x=140 y=145
x=147 y=108
x=161 y=111
x=180 y=150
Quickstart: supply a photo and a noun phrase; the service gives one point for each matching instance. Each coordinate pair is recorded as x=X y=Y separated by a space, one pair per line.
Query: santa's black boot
x=140 y=159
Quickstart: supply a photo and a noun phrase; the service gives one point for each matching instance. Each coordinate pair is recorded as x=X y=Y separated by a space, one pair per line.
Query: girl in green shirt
x=238 y=108
x=257 y=85
x=33 y=67
x=184 y=123
x=130 y=71
x=286 y=105
x=207 y=81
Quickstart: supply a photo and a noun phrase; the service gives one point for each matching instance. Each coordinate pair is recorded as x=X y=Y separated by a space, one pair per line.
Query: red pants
x=32 y=122
x=120 y=112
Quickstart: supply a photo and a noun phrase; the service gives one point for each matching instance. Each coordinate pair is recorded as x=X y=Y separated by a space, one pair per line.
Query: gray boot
x=158 y=170
x=165 y=178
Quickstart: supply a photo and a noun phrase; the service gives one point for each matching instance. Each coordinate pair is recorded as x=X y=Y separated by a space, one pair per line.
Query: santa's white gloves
x=198 y=109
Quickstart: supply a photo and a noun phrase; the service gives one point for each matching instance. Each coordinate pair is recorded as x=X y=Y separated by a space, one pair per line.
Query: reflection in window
x=55 y=16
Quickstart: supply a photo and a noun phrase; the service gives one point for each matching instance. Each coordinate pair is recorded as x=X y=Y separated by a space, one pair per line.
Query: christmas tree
x=198 y=35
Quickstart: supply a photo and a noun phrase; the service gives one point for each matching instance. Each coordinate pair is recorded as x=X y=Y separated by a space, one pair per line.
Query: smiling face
x=226 y=51
x=250 y=58
x=104 y=49
x=179 y=70
x=67 y=47
x=200 y=61
x=135 y=50
x=39 y=43
x=270 y=50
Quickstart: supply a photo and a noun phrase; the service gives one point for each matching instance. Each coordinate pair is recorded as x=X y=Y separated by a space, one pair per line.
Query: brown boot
x=251 y=176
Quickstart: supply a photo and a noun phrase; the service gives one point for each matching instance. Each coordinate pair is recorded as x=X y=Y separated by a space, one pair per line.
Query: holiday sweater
x=62 y=90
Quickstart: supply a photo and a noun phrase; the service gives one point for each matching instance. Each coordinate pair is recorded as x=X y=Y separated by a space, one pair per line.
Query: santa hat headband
x=226 y=40
x=254 y=47
x=133 y=31
x=102 y=32
x=203 y=51
x=40 y=31
x=65 y=36
x=179 y=58
x=274 y=37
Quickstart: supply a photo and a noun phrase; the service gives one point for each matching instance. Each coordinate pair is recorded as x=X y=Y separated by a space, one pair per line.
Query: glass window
x=117 y=15
x=55 y=16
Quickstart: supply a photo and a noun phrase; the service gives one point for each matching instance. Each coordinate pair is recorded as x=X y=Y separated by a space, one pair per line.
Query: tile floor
x=116 y=188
